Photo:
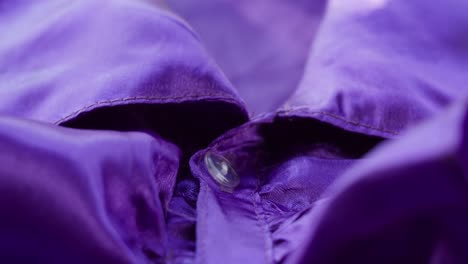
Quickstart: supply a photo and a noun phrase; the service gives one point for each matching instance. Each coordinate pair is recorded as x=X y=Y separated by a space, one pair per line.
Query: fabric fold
x=60 y=59
x=74 y=196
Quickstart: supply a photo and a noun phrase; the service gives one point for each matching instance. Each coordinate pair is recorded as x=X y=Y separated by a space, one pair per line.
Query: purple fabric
x=345 y=121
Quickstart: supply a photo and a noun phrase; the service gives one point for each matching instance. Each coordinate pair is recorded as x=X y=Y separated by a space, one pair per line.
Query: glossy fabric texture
x=345 y=123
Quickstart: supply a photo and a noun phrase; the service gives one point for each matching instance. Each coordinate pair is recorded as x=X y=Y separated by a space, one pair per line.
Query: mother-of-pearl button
x=221 y=171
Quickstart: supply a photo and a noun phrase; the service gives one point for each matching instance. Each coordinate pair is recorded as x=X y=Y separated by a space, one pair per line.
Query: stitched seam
x=262 y=224
x=359 y=124
x=287 y=112
x=136 y=98
x=236 y=132
x=352 y=122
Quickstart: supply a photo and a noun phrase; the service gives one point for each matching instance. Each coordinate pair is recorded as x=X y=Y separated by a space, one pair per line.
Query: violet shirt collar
x=293 y=95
